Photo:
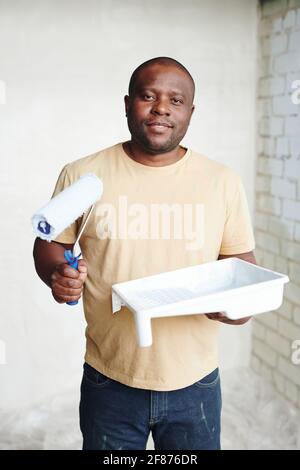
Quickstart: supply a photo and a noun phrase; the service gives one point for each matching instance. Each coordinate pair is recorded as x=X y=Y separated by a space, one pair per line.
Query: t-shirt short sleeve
x=63 y=181
x=238 y=234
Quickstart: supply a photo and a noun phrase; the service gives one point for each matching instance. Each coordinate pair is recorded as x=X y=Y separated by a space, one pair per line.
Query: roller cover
x=63 y=209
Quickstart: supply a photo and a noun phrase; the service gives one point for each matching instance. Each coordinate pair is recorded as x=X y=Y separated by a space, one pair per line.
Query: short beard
x=141 y=139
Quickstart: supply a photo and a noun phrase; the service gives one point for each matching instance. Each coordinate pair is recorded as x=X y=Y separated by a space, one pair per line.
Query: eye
x=148 y=97
x=177 y=100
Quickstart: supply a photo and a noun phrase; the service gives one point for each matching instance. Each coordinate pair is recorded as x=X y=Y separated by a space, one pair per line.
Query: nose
x=161 y=107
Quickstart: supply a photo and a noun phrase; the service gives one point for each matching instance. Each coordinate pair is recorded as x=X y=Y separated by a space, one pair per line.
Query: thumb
x=82 y=269
x=82 y=266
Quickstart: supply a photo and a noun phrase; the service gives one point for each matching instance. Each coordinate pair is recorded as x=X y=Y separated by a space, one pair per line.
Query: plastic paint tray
x=232 y=286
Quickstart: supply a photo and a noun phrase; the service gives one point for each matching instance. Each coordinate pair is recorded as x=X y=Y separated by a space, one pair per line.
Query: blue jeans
x=114 y=416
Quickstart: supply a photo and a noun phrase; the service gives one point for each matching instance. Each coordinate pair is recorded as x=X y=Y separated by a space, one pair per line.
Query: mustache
x=161 y=122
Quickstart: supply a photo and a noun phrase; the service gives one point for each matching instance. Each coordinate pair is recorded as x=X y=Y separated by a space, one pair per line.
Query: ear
x=192 y=110
x=126 y=101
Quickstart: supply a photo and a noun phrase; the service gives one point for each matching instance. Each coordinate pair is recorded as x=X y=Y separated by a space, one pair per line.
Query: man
x=163 y=207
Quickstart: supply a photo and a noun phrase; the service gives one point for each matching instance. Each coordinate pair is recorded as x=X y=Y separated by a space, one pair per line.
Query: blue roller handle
x=73 y=262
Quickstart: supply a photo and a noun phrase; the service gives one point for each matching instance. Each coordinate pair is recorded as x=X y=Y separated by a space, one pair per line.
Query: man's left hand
x=219 y=316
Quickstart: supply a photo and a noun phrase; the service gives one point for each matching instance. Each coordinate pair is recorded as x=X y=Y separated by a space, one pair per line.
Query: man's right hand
x=67 y=283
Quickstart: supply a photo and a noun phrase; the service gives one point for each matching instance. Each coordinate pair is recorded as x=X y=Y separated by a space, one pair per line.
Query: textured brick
x=291 y=169
x=269 y=144
x=259 y=147
x=259 y=330
x=288 y=62
x=277 y=219
x=266 y=66
x=272 y=86
x=298 y=19
x=289 y=19
x=289 y=370
x=282 y=147
x=279 y=381
x=294 y=4
x=269 y=26
x=269 y=205
x=273 y=126
x=259 y=254
x=292 y=293
x=266 y=372
x=289 y=329
x=265 y=27
x=276 y=25
x=281 y=228
x=278 y=343
x=263 y=183
x=281 y=264
x=291 y=391
x=268 y=260
x=282 y=188
x=295 y=346
x=291 y=209
x=255 y=363
x=270 y=319
x=292 y=125
x=296 y=315
x=294 y=42
x=270 y=166
x=275 y=45
x=267 y=242
x=261 y=221
x=294 y=273
x=291 y=80
x=298 y=190
x=271 y=7
x=264 y=107
x=297 y=232
x=265 y=352
x=290 y=249
x=286 y=309
x=295 y=95
x=283 y=106
x=295 y=149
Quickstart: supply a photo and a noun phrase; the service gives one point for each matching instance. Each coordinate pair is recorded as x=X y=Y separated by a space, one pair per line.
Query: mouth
x=158 y=125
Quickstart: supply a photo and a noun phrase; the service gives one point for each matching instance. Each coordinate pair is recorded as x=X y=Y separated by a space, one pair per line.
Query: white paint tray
x=232 y=286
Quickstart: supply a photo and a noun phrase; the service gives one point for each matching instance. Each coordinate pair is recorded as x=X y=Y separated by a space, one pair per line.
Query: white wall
x=65 y=66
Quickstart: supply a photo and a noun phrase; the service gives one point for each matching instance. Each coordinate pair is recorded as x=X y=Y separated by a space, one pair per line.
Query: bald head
x=164 y=61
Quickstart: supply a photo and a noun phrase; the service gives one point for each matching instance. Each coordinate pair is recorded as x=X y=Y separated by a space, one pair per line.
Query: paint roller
x=66 y=207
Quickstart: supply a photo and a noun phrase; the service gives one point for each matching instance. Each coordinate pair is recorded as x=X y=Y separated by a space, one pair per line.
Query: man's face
x=160 y=108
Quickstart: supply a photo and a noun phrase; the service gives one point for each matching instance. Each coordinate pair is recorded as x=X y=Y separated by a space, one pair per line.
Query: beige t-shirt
x=150 y=220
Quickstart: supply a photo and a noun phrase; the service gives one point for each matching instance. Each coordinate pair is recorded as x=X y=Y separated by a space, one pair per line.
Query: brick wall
x=277 y=218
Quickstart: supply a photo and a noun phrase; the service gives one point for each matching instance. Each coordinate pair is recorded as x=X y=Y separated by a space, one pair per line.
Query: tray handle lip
x=123 y=298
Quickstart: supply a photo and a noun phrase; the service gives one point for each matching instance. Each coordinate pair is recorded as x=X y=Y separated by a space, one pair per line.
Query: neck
x=138 y=154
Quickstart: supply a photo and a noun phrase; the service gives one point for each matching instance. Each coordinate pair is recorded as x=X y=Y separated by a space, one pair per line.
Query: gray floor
x=253 y=417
